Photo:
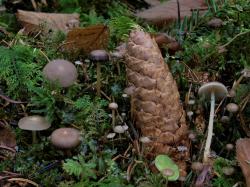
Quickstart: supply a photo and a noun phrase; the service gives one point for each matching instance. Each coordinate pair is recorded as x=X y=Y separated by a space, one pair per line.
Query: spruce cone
x=157 y=110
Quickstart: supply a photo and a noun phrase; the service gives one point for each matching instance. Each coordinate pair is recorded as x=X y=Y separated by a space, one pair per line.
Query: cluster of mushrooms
x=215 y=91
x=63 y=73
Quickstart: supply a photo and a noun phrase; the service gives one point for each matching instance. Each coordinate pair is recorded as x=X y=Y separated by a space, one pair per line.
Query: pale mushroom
x=232 y=107
x=61 y=71
x=212 y=90
x=66 y=139
x=98 y=56
x=34 y=123
x=113 y=106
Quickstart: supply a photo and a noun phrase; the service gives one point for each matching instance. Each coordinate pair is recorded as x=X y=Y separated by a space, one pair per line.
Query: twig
x=7 y=148
x=236 y=36
x=10 y=100
x=24 y=180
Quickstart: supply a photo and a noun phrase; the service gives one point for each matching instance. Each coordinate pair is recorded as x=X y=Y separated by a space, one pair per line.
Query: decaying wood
x=156 y=103
x=243 y=157
x=37 y=21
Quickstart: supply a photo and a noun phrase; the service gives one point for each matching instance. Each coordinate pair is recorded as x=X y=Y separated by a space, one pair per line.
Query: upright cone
x=157 y=110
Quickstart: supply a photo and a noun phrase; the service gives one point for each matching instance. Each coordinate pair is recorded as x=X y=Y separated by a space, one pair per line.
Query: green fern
x=79 y=168
x=19 y=67
x=121 y=26
x=91 y=115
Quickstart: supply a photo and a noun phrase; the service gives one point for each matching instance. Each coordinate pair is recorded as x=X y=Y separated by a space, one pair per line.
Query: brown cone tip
x=34 y=123
x=62 y=71
x=65 y=138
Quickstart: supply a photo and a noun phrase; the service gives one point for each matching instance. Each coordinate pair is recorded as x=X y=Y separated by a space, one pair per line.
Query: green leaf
x=163 y=162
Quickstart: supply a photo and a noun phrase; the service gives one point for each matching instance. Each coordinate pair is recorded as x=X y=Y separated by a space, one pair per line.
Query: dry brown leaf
x=37 y=21
x=166 y=12
x=243 y=157
x=7 y=138
x=87 y=39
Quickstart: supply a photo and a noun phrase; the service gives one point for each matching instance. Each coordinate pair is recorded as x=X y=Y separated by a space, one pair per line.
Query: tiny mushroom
x=228 y=170
x=98 y=56
x=197 y=167
x=225 y=119
x=212 y=90
x=62 y=71
x=66 y=139
x=34 y=123
x=232 y=107
x=119 y=129
x=113 y=106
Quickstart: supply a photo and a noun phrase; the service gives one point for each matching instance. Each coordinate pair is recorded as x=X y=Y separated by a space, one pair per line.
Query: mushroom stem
x=98 y=77
x=34 y=137
x=210 y=129
x=113 y=118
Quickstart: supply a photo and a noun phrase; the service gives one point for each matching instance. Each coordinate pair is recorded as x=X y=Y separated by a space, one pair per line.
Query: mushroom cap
x=99 y=55
x=62 y=71
x=220 y=91
x=225 y=119
x=145 y=139
x=113 y=106
x=197 y=166
x=34 y=123
x=65 y=138
x=232 y=107
x=119 y=129
x=215 y=23
x=229 y=147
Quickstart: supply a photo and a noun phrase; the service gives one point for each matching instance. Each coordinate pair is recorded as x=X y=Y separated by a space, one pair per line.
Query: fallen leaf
x=7 y=138
x=165 y=13
x=37 y=21
x=87 y=39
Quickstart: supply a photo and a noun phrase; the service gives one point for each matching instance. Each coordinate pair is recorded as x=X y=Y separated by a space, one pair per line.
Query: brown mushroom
x=34 y=123
x=113 y=106
x=65 y=139
x=98 y=56
x=62 y=71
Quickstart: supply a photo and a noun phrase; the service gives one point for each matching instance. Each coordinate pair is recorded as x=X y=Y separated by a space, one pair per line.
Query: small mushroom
x=212 y=90
x=229 y=147
x=98 y=56
x=197 y=167
x=225 y=119
x=113 y=106
x=215 y=23
x=232 y=107
x=65 y=139
x=119 y=129
x=190 y=114
x=34 y=123
x=62 y=71
x=228 y=170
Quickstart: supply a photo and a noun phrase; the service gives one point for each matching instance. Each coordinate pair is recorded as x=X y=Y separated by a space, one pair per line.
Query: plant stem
x=210 y=130
x=98 y=77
